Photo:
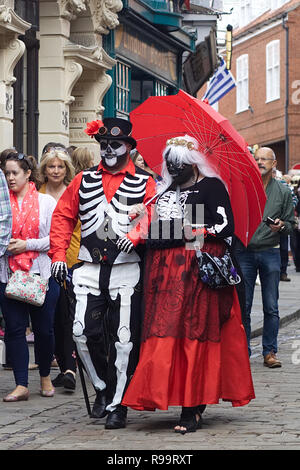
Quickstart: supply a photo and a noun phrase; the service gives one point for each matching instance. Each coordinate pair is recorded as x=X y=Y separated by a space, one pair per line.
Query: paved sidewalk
x=269 y=422
x=289 y=302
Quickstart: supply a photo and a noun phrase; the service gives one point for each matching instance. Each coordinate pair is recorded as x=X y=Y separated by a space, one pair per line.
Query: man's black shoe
x=117 y=419
x=99 y=406
x=69 y=381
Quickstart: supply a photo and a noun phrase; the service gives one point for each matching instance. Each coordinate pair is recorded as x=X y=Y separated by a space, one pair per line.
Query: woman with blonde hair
x=56 y=171
x=82 y=158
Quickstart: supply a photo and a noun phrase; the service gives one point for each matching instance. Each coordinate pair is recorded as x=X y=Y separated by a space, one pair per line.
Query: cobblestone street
x=269 y=422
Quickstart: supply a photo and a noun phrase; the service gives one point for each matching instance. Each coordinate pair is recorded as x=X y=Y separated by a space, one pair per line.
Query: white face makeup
x=111 y=150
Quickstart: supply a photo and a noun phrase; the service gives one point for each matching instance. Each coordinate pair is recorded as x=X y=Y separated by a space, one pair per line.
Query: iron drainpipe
x=287 y=146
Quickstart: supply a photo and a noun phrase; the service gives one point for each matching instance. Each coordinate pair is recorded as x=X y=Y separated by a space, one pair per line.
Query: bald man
x=262 y=255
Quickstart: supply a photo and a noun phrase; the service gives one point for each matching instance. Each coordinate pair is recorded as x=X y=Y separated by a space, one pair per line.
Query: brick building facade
x=265 y=58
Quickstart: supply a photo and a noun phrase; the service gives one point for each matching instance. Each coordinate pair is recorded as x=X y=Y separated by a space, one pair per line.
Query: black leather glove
x=59 y=271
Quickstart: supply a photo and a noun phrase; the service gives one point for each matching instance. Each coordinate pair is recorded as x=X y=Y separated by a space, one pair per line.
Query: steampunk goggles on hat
x=111 y=128
x=114 y=132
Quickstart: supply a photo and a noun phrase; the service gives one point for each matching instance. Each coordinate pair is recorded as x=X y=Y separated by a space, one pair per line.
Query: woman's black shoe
x=58 y=381
x=190 y=419
x=117 y=419
x=99 y=407
x=69 y=381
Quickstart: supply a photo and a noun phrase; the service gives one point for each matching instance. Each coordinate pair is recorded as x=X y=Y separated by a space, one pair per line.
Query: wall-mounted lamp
x=228 y=46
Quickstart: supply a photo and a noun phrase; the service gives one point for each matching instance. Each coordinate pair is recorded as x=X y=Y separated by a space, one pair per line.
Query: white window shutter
x=242 y=88
x=273 y=70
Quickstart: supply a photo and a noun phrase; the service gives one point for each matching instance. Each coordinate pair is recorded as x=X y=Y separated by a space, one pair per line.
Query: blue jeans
x=267 y=264
x=15 y=314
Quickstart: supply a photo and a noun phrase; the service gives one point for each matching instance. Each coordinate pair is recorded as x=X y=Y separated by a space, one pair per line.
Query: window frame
x=245 y=12
x=123 y=87
x=240 y=105
x=270 y=94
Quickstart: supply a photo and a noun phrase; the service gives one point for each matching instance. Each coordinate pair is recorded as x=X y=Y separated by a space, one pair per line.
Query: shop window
x=273 y=70
x=29 y=11
x=242 y=83
x=169 y=5
x=160 y=89
x=122 y=89
x=26 y=105
x=143 y=87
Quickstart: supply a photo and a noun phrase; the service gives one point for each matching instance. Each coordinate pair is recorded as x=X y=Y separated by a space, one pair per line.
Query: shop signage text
x=145 y=51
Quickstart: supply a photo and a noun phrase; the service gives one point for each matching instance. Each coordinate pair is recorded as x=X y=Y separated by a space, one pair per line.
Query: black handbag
x=217 y=272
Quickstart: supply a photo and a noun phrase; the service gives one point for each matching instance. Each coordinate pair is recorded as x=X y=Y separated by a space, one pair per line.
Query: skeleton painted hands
x=59 y=271
x=125 y=245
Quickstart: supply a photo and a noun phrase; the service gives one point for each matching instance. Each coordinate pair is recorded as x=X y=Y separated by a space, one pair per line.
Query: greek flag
x=221 y=83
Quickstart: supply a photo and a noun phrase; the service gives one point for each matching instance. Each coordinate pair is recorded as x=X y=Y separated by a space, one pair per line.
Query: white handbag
x=27 y=287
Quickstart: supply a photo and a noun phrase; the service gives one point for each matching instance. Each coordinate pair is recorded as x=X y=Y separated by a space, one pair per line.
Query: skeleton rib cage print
x=96 y=213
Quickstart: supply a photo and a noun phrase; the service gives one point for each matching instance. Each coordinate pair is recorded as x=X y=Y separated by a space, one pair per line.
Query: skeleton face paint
x=180 y=173
x=113 y=153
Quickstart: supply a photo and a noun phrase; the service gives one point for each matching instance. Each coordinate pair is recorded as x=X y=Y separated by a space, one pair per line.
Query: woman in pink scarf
x=27 y=251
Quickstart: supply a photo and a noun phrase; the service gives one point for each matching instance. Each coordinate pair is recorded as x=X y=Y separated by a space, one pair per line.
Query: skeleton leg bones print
x=111 y=290
x=106 y=284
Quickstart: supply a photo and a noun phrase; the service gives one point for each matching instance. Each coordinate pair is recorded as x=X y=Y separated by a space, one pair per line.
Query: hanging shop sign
x=145 y=52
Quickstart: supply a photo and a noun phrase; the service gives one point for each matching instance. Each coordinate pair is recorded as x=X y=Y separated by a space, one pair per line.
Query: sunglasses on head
x=57 y=149
x=17 y=156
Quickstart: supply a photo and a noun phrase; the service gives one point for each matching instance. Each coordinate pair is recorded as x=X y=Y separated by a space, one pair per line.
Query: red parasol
x=161 y=117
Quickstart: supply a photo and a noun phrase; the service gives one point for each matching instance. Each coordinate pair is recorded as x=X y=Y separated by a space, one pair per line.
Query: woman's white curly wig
x=183 y=150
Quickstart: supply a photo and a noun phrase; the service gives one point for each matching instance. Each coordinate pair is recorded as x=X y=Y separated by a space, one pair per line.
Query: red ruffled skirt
x=194 y=348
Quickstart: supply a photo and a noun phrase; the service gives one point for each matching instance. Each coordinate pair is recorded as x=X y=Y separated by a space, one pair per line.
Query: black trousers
x=295 y=247
x=107 y=325
x=63 y=332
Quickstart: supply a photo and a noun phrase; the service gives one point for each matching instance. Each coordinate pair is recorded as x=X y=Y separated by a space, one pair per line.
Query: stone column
x=11 y=50
x=54 y=34
x=73 y=67
x=89 y=84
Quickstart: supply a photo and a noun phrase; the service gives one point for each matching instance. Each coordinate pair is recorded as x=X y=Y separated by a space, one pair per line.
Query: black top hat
x=117 y=129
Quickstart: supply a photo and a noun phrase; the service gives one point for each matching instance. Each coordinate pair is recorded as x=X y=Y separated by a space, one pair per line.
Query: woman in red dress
x=194 y=348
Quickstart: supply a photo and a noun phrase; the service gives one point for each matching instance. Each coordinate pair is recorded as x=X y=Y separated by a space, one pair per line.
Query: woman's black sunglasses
x=17 y=156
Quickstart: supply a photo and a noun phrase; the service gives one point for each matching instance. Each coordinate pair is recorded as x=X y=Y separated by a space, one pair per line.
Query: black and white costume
x=106 y=284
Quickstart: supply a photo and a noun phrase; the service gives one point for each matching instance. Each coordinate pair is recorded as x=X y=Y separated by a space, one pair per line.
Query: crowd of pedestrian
x=174 y=345
x=33 y=193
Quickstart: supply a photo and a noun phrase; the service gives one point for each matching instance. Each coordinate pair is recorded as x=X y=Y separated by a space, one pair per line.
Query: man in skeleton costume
x=106 y=284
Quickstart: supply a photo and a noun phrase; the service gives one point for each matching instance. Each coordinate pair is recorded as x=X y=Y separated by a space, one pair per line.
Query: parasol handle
x=134 y=216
